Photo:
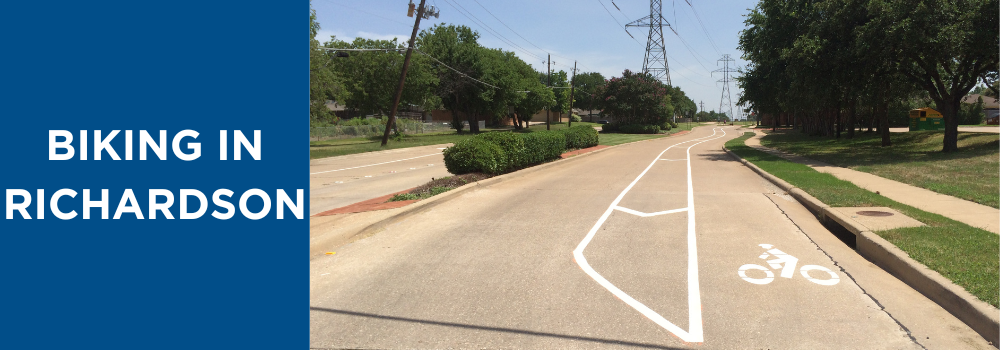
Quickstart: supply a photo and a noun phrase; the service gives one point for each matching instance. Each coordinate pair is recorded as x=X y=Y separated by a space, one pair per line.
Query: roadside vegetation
x=959 y=252
x=832 y=66
x=972 y=173
x=438 y=186
x=450 y=70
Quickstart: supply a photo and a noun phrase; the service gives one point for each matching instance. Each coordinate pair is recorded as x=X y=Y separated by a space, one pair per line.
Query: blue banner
x=155 y=174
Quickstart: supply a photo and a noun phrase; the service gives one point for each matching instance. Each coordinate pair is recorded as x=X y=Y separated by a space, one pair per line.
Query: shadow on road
x=494 y=329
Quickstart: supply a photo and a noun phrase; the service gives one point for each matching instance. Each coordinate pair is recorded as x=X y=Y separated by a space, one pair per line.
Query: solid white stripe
x=646 y=215
x=365 y=166
x=694 y=297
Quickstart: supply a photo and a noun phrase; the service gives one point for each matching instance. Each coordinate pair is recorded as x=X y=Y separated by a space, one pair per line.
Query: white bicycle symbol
x=787 y=265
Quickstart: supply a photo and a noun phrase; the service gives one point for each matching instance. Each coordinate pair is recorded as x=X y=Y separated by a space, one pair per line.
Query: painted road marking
x=787 y=265
x=646 y=215
x=695 y=334
x=365 y=166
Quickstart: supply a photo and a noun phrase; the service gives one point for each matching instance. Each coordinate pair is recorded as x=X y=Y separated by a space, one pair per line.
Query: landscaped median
x=967 y=256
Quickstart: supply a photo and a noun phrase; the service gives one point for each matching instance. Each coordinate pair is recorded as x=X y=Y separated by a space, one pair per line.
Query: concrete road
x=664 y=244
x=338 y=181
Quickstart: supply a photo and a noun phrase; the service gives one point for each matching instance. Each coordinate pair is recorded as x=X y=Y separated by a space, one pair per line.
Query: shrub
x=640 y=129
x=611 y=127
x=512 y=144
x=672 y=124
x=575 y=118
x=474 y=155
x=502 y=152
x=580 y=137
x=665 y=126
x=543 y=145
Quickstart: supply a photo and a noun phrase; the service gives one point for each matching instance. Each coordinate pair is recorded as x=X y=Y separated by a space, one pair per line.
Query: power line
x=490 y=30
x=369 y=13
x=455 y=70
x=616 y=21
x=705 y=30
x=508 y=27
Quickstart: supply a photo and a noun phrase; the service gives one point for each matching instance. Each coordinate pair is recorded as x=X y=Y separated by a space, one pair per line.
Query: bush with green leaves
x=474 y=155
x=575 y=118
x=665 y=126
x=503 y=152
x=610 y=127
x=541 y=146
x=512 y=144
x=581 y=136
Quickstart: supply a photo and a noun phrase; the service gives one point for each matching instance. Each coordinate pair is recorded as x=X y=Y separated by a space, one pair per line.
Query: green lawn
x=966 y=255
x=339 y=147
x=915 y=158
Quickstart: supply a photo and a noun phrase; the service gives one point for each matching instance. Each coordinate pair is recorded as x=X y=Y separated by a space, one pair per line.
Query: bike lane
x=742 y=276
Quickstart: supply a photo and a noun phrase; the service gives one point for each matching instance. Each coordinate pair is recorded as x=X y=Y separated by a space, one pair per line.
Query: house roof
x=988 y=102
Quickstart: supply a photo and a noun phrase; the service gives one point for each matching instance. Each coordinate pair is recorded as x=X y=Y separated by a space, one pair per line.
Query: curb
x=427 y=204
x=977 y=314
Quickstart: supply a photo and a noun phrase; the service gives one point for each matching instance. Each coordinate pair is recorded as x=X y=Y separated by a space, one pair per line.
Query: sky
x=589 y=32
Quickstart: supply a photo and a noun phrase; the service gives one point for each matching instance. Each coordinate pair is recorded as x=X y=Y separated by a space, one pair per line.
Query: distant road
x=339 y=181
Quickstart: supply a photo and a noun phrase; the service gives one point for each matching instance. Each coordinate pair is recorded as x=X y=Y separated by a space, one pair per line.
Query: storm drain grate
x=874 y=213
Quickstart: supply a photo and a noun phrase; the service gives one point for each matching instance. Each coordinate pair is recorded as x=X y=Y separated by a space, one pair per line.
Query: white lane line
x=696 y=332
x=646 y=215
x=365 y=166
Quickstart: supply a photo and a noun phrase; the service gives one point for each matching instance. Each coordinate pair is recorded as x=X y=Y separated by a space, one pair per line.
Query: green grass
x=340 y=147
x=411 y=196
x=915 y=158
x=617 y=139
x=966 y=255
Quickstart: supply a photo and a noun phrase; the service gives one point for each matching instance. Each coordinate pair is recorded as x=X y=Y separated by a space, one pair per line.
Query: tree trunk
x=949 y=110
x=473 y=124
x=840 y=124
x=883 y=127
x=852 y=120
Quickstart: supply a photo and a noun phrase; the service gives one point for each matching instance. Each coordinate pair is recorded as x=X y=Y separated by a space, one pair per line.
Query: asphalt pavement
x=335 y=182
x=662 y=244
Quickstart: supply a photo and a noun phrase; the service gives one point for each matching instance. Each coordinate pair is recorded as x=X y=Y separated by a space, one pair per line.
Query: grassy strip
x=340 y=147
x=438 y=186
x=966 y=255
x=424 y=195
x=915 y=158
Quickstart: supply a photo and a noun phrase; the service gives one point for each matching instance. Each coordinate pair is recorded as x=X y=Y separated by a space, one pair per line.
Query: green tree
x=944 y=47
x=637 y=98
x=323 y=83
x=370 y=78
x=587 y=85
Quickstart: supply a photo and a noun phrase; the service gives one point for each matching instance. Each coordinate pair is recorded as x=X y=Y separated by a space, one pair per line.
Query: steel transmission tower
x=726 y=101
x=655 y=62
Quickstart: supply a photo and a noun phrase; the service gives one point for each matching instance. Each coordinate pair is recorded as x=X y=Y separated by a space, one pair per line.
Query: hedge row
x=581 y=136
x=632 y=129
x=503 y=152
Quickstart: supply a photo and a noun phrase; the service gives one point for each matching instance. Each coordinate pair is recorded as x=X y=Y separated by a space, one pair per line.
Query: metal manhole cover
x=874 y=213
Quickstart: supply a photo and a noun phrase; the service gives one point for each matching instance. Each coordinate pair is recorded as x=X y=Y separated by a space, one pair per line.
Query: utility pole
x=725 y=70
x=702 y=107
x=548 y=82
x=406 y=65
x=655 y=62
x=572 y=87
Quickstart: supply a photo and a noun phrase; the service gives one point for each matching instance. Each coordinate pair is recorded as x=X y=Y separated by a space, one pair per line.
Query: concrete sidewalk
x=973 y=214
